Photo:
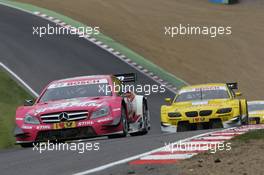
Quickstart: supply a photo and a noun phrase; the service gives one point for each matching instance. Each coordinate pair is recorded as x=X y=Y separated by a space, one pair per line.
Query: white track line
x=227 y=134
x=168 y=157
x=19 y=79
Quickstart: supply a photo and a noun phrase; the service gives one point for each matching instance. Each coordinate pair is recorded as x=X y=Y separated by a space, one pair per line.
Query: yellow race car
x=256 y=112
x=203 y=107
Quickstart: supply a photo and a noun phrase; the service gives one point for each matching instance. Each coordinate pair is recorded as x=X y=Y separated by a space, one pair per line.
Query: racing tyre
x=245 y=121
x=216 y=124
x=183 y=126
x=145 y=122
x=124 y=124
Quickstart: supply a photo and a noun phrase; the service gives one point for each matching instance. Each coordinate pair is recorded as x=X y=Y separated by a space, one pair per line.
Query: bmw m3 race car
x=256 y=112
x=82 y=107
x=204 y=106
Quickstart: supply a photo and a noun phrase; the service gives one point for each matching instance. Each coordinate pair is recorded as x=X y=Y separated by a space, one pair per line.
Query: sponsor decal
x=66 y=105
x=199 y=119
x=116 y=109
x=195 y=105
x=77 y=83
x=43 y=127
x=199 y=103
x=20 y=119
x=85 y=123
x=26 y=127
x=203 y=89
x=63 y=125
x=104 y=119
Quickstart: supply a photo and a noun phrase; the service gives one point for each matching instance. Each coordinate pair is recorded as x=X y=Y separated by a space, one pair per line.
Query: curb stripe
x=226 y=134
x=201 y=142
x=186 y=149
x=178 y=152
x=144 y=162
x=216 y=137
x=167 y=157
x=209 y=140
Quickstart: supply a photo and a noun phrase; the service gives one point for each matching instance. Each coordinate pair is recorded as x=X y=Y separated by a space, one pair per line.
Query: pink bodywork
x=100 y=126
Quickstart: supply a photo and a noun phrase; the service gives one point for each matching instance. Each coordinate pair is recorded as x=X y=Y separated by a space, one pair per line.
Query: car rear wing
x=125 y=78
x=233 y=86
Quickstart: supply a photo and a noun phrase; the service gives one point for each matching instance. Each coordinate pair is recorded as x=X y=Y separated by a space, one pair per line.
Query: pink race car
x=83 y=107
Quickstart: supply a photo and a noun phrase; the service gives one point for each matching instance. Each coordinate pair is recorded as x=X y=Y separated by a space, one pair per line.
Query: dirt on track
x=139 y=25
x=245 y=158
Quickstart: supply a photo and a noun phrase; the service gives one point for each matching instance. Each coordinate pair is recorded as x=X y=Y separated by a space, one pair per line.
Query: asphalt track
x=40 y=60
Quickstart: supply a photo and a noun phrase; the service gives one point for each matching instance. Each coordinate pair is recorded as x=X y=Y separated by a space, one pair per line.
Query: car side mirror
x=238 y=94
x=168 y=100
x=128 y=95
x=28 y=103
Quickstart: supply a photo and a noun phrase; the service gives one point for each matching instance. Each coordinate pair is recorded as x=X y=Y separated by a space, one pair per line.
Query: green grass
x=11 y=96
x=251 y=135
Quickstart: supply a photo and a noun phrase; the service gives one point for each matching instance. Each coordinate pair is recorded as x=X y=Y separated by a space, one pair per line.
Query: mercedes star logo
x=63 y=116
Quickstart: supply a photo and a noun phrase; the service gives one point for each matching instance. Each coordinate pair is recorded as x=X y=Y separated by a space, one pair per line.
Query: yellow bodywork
x=204 y=111
x=256 y=116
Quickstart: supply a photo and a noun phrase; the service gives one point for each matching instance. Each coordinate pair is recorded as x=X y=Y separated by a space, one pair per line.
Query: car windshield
x=255 y=107
x=202 y=95
x=78 y=91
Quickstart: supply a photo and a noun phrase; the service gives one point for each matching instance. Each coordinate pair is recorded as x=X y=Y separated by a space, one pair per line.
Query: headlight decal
x=101 y=112
x=31 y=120
x=224 y=110
x=174 y=114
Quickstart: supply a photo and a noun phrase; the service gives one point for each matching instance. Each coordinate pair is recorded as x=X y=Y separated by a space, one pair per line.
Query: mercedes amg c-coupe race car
x=256 y=112
x=204 y=106
x=83 y=107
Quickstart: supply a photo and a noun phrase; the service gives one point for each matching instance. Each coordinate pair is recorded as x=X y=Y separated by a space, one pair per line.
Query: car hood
x=79 y=104
x=203 y=104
